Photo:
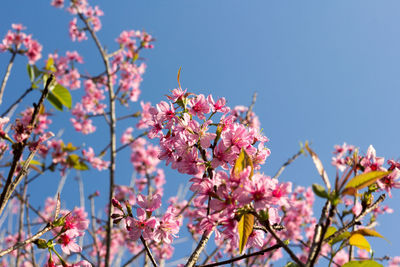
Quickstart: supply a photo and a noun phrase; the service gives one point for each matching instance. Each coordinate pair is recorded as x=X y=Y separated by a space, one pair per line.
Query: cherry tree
x=246 y=216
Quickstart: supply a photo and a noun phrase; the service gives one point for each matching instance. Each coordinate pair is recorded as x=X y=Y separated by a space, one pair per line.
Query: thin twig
x=21 y=222
x=27 y=91
x=250 y=110
x=357 y=219
x=6 y=75
x=281 y=243
x=93 y=225
x=245 y=256
x=153 y=261
x=133 y=258
x=27 y=241
x=287 y=163
x=28 y=223
x=112 y=127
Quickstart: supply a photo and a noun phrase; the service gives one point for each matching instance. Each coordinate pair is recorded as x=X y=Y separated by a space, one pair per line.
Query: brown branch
x=200 y=246
x=320 y=232
x=245 y=256
x=11 y=184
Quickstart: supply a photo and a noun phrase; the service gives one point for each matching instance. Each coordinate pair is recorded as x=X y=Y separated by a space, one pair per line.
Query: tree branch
x=261 y=252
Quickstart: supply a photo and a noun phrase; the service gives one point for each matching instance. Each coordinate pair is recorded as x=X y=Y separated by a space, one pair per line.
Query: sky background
x=324 y=71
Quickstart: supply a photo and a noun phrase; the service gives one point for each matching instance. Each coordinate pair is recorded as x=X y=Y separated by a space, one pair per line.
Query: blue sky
x=324 y=71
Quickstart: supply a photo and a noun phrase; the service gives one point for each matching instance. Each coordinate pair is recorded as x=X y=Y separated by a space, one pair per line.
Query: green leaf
x=69 y=148
x=54 y=101
x=291 y=264
x=245 y=227
x=241 y=163
x=31 y=73
x=330 y=231
x=341 y=237
x=36 y=162
x=359 y=241
x=320 y=191
x=63 y=95
x=363 y=180
x=367 y=263
x=50 y=65
x=76 y=162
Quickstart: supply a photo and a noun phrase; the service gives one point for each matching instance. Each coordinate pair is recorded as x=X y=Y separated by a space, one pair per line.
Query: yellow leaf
x=245 y=227
x=359 y=241
x=369 y=232
x=241 y=163
x=330 y=231
x=366 y=179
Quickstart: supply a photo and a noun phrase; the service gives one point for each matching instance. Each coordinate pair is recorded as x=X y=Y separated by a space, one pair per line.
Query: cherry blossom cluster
x=73 y=224
x=65 y=71
x=90 y=105
x=18 y=42
x=367 y=163
x=81 y=7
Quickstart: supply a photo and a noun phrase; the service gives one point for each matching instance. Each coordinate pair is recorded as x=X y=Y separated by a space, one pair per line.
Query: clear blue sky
x=324 y=71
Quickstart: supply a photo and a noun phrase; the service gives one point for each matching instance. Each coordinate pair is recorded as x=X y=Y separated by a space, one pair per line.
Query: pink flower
x=149 y=203
x=75 y=33
x=371 y=162
x=57 y=3
x=168 y=226
x=68 y=242
x=96 y=162
x=141 y=226
x=218 y=106
x=199 y=106
x=177 y=94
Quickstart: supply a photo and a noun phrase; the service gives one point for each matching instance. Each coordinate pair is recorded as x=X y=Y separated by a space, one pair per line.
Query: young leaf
x=369 y=232
x=31 y=73
x=365 y=179
x=54 y=101
x=320 y=191
x=242 y=162
x=330 y=231
x=366 y=263
x=341 y=237
x=319 y=166
x=50 y=65
x=76 y=162
x=245 y=227
x=359 y=241
x=63 y=95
